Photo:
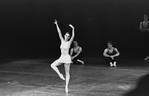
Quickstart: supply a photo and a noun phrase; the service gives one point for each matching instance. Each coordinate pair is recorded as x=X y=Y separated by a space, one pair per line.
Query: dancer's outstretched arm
x=73 y=34
x=58 y=30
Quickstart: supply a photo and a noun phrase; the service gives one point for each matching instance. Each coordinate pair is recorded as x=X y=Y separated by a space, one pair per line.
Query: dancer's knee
x=53 y=65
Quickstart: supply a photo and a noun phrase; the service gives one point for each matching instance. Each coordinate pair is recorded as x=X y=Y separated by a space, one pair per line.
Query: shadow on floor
x=142 y=88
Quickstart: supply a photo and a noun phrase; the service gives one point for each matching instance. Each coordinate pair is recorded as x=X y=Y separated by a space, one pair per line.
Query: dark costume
x=109 y=59
x=76 y=58
x=145 y=37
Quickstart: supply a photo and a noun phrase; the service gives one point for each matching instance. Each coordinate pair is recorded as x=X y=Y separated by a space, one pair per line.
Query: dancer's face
x=67 y=36
x=75 y=43
x=109 y=45
x=145 y=18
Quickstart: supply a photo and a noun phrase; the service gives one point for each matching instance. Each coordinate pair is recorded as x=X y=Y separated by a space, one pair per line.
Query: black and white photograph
x=74 y=47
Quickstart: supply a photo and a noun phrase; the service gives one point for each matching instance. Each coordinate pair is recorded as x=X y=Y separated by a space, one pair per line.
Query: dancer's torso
x=76 y=49
x=111 y=51
x=145 y=24
x=65 y=47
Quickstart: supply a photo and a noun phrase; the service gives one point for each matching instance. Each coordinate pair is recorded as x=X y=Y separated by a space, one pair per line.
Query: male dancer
x=144 y=28
x=75 y=53
x=110 y=54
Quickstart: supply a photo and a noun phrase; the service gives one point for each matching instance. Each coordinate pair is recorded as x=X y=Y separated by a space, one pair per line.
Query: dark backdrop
x=27 y=29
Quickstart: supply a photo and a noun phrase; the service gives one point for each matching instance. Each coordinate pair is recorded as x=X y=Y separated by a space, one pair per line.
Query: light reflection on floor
x=36 y=78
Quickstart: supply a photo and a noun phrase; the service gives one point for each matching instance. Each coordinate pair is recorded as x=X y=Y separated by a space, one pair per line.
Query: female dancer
x=65 y=57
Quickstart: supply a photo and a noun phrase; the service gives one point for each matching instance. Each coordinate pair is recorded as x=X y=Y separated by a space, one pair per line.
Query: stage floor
x=34 y=77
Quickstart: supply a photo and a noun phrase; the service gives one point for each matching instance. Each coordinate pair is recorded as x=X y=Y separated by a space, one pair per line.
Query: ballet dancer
x=110 y=54
x=144 y=28
x=65 y=57
x=144 y=25
x=75 y=53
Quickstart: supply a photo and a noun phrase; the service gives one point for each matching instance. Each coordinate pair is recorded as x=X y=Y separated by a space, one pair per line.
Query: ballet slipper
x=66 y=89
x=61 y=76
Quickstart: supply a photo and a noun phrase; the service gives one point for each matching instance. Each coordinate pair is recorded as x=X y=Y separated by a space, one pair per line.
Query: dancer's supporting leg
x=67 y=72
x=54 y=67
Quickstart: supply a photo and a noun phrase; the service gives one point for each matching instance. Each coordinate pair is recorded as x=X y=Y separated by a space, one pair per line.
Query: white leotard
x=65 y=47
x=65 y=57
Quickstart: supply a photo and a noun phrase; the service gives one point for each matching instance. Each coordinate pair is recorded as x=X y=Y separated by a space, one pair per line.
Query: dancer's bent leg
x=114 y=61
x=80 y=61
x=54 y=67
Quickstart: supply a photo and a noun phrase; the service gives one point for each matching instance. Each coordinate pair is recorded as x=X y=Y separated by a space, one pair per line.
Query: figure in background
x=110 y=54
x=144 y=25
x=144 y=28
x=75 y=53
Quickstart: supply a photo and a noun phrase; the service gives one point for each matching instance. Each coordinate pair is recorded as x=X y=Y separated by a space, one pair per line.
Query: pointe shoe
x=66 y=89
x=61 y=76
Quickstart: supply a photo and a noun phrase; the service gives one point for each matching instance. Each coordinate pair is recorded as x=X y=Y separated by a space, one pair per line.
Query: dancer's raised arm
x=58 y=30
x=72 y=37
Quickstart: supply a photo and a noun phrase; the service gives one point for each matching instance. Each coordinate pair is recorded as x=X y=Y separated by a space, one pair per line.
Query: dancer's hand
x=55 y=22
x=112 y=57
x=71 y=26
x=72 y=58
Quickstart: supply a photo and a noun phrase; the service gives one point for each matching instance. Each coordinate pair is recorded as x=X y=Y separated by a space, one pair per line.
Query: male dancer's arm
x=117 y=53
x=105 y=53
x=140 y=27
x=71 y=52
x=80 y=50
